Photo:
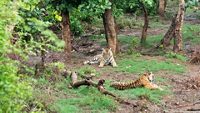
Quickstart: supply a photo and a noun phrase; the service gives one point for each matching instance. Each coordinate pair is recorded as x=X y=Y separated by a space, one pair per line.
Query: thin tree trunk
x=110 y=31
x=178 y=30
x=146 y=23
x=161 y=7
x=66 y=35
x=105 y=28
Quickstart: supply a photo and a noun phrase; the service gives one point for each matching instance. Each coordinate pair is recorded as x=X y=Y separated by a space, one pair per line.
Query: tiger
x=145 y=80
x=105 y=58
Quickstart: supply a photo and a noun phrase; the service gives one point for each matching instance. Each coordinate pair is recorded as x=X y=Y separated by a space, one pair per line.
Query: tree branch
x=100 y=86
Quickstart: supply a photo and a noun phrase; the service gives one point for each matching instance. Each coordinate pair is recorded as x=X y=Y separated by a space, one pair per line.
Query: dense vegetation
x=40 y=40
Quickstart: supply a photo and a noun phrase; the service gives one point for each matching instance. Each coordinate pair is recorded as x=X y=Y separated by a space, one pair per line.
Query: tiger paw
x=100 y=66
x=85 y=62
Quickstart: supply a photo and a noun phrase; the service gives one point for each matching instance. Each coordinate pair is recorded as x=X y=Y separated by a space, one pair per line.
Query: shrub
x=13 y=91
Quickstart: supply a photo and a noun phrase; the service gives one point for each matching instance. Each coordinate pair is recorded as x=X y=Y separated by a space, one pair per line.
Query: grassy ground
x=63 y=99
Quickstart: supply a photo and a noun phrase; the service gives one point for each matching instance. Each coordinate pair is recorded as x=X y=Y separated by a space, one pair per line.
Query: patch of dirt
x=86 y=46
x=193 y=83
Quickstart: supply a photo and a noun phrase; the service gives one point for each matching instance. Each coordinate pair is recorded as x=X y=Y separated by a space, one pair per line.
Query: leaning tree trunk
x=169 y=34
x=110 y=31
x=175 y=30
x=66 y=35
x=146 y=23
x=178 y=30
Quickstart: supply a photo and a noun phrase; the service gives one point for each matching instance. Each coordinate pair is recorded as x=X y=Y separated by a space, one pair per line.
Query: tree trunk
x=105 y=28
x=161 y=7
x=175 y=30
x=169 y=34
x=66 y=35
x=110 y=31
x=145 y=27
x=178 y=30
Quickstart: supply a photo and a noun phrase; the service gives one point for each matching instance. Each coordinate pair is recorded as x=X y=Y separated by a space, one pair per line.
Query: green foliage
x=133 y=65
x=192 y=3
x=76 y=26
x=95 y=7
x=149 y=4
x=33 y=30
x=14 y=91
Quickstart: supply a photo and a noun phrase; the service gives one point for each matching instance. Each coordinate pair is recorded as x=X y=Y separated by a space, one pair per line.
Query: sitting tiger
x=146 y=80
x=105 y=58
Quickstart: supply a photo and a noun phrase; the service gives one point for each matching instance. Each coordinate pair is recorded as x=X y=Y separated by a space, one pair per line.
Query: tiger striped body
x=144 y=81
x=105 y=58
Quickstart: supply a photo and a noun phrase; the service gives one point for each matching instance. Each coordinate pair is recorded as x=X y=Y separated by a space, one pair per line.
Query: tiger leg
x=102 y=63
x=152 y=86
x=113 y=63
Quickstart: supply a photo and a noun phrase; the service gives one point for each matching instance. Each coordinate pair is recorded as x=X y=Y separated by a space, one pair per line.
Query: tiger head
x=107 y=53
x=149 y=76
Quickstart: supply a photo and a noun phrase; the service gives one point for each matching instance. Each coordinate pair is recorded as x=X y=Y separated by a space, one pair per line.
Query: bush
x=13 y=91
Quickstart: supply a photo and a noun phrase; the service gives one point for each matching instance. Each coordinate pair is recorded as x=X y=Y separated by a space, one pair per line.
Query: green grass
x=191 y=33
x=87 y=70
x=133 y=65
x=154 y=96
x=154 y=39
x=176 y=56
x=89 y=99
x=85 y=99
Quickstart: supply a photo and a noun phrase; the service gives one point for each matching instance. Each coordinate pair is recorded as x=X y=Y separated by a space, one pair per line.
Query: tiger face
x=149 y=75
x=105 y=58
x=107 y=52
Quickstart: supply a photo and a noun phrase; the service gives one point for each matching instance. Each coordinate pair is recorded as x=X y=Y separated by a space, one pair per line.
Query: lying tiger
x=144 y=81
x=105 y=58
